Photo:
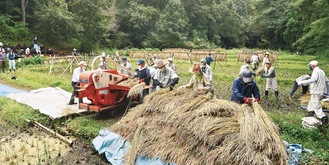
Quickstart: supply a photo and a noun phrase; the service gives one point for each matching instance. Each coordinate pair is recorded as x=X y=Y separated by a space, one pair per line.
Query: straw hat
x=159 y=63
x=195 y=68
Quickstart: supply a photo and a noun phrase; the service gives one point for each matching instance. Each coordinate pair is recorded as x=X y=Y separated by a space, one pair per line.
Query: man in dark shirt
x=244 y=87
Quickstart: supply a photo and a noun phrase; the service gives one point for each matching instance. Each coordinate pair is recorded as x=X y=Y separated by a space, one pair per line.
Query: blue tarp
x=294 y=151
x=5 y=90
x=115 y=147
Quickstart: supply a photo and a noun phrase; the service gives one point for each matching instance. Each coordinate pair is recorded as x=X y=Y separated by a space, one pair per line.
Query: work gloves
x=247 y=100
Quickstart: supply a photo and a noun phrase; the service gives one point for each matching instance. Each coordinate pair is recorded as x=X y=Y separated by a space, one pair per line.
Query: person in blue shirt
x=209 y=59
x=244 y=88
x=143 y=74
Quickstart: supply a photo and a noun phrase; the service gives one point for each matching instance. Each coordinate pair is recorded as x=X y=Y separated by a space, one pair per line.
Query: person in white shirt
x=27 y=52
x=271 y=82
x=245 y=67
x=75 y=80
x=255 y=61
x=171 y=65
x=304 y=87
x=266 y=59
x=318 y=86
x=127 y=65
x=164 y=77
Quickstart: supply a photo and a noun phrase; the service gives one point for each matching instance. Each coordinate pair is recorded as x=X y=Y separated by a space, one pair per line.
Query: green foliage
x=30 y=61
x=171 y=28
x=16 y=114
x=12 y=31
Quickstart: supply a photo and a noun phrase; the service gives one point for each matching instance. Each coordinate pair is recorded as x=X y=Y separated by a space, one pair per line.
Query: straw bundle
x=129 y=82
x=181 y=56
x=260 y=71
x=242 y=57
x=136 y=54
x=306 y=98
x=198 y=56
x=136 y=90
x=220 y=56
x=176 y=50
x=182 y=128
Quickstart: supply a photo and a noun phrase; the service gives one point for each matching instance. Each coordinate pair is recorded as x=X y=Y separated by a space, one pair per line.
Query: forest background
x=294 y=25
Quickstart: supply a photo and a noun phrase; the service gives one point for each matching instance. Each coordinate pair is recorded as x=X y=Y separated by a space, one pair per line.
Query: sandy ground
x=33 y=146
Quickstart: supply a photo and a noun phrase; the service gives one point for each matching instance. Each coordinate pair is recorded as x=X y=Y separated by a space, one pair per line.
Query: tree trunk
x=23 y=10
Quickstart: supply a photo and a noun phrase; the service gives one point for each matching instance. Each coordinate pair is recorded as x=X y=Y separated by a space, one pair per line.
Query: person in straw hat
x=244 y=87
x=164 y=77
x=270 y=80
x=318 y=86
x=75 y=79
x=206 y=69
x=199 y=81
x=171 y=64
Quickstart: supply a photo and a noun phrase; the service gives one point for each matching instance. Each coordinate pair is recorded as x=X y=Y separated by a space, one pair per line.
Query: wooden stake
x=66 y=140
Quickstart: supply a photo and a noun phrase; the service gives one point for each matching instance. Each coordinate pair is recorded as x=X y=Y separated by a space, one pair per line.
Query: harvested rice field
x=182 y=127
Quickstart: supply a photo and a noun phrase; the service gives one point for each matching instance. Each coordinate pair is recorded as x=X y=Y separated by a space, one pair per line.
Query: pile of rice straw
x=306 y=98
x=182 y=128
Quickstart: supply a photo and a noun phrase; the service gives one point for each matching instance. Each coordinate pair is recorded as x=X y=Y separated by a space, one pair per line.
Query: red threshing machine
x=102 y=89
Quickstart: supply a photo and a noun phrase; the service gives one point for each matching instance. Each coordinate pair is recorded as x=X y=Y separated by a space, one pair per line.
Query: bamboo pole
x=64 y=139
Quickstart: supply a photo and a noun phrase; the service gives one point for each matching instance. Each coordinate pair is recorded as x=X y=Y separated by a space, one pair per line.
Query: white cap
x=169 y=59
x=83 y=63
x=103 y=54
x=314 y=63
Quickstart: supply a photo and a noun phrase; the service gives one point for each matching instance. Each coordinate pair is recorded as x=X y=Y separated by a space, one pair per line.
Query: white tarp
x=49 y=101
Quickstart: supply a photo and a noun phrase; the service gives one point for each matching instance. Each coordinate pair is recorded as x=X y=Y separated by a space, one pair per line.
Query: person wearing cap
x=209 y=59
x=199 y=81
x=164 y=77
x=171 y=65
x=11 y=59
x=75 y=80
x=74 y=52
x=318 y=86
x=271 y=82
x=142 y=72
x=266 y=59
x=304 y=87
x=245 y=67
x=205 y=68
x=125 y=64
x=143 y=75
x=255 y=61
x=244 y=88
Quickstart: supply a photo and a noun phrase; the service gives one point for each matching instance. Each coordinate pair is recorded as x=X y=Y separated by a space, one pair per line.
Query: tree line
x=294 y=25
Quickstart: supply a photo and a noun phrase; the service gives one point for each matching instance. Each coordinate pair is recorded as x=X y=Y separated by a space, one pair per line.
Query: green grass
x=285 y=113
